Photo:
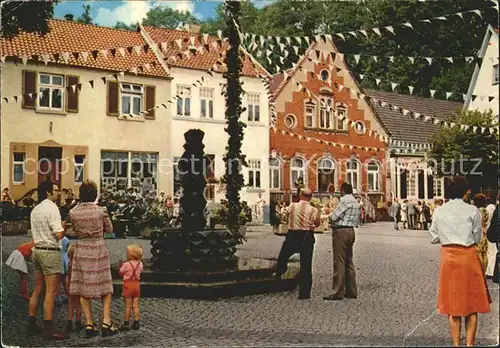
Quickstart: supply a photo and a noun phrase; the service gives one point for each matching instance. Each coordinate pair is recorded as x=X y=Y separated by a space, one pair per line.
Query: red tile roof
x=203 y=61
x=68 y=36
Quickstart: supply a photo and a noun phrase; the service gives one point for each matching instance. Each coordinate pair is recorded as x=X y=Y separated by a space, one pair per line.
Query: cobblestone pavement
x=397 y=279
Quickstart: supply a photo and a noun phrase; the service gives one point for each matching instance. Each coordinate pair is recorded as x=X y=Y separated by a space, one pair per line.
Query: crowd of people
x=413 y=216
x=83 y=267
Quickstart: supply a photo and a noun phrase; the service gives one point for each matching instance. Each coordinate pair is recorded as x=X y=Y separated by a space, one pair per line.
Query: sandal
x=108 y=330
x=90 y=331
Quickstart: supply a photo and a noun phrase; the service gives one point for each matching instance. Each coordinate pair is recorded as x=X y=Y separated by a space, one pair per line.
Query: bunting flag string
x=203 y=42
x=360 y=96
x=135 y=70
x=355 y=33
x=328 y=143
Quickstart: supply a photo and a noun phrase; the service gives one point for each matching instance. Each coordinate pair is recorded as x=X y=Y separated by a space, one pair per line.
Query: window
x=183 y=100
x=177 y=177
x=341 y=116
x=359 y=127
x=79 y=163
x=275 y=173
x=253 y=107
x=352 y=173
x=373 y=176
x=51 y=92
x=119 y=170
x=297 y=170
x=132 y=96
x=325 y=113
x=310 y=113
x=254 y=173
x=290 y=121
x=412 y=183
x=438 y=186
x=496 y=78
x=18 y=167
x=324 y=75
x=207 y=102
x=326 y=174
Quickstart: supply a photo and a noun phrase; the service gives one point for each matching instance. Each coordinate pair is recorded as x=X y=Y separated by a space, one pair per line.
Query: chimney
x=69 y=17
x=192 y=28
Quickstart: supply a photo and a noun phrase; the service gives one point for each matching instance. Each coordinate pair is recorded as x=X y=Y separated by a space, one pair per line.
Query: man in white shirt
x=47 y=230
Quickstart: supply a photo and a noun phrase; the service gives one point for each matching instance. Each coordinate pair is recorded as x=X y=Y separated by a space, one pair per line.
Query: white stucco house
x=72 y=110
x=482 y=94
x=202 y=106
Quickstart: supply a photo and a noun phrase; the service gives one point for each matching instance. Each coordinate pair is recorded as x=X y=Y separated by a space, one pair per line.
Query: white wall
x=90 y=126
x=484 y=84
x=256 y=138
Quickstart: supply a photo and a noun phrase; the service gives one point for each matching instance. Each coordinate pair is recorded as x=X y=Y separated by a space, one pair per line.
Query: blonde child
x=17 y=261
x=74 y=307
x=131 y=271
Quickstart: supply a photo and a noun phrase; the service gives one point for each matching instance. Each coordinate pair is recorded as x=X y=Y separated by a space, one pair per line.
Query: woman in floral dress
x=91 y=273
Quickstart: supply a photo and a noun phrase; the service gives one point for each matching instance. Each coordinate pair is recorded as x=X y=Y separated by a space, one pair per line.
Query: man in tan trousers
x=344 y=219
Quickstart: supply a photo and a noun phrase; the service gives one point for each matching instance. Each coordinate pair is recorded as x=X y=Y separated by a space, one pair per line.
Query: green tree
x=121 y=25
x=234 y=158
x=165 y=17
x=465 y=152
x=86 y=17
x=30 y=17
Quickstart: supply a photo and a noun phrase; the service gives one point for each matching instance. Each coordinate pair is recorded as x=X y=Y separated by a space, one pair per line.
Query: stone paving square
x=397 y=275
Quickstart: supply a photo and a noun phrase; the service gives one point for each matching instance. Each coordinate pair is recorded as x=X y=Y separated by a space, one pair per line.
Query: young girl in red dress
x=17 y=261
x=131 y=271
x=74 y=307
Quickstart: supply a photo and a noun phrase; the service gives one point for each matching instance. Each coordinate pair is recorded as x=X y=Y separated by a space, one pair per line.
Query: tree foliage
x=30 y=17
x=458 y=152
x=121 y=25
x=453 y=37
x=86 y=16
x=162 y=17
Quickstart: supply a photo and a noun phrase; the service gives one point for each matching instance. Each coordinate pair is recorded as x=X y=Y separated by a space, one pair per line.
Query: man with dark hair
x=47 y=230
x=344 y=218
x=304 y=218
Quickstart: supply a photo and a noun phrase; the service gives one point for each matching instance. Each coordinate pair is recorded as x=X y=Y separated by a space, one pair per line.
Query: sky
x=107 y=13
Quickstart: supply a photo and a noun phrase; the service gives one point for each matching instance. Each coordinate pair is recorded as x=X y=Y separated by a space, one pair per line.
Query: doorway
x=49 y=164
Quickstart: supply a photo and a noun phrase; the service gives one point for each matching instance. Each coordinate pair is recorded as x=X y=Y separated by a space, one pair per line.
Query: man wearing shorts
x=47 y=230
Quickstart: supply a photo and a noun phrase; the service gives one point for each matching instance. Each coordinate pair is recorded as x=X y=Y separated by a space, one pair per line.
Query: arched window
x=341 y=116
x=297 y=170
x=352 y=173
x=326 y=174
x=275 y=173
x=373 y=176
x=310 y=114
x=325 y=113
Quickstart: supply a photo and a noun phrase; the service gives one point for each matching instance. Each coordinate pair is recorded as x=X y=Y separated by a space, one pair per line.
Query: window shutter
x=112 y=98
x=72 y=97
x=150 y=102
x=29 y=87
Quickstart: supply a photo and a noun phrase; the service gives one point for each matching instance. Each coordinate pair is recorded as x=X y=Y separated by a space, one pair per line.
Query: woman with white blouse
x=462 y=289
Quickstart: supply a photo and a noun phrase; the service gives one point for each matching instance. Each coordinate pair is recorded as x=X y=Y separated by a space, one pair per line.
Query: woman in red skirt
x=462 y=289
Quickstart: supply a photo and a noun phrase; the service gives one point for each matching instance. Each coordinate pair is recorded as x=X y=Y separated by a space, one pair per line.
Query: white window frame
x=309 y=114
x=254 y=168
x=294 y=121
x=321 y=167
x=50 y=86
x=16 y=164
x=326 y=114
x=253 y=101
x=134 y=92
x=373 y=175
x=207 y=96
x=341 y=111
x=275 y=170
x=438 y=184
x=184 y=93
x=496 y=72
x=79 y=168
x=349 y=174
x=301 y=171
x=363 y=126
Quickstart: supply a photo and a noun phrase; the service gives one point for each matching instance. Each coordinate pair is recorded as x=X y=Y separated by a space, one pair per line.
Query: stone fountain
x=196 y=262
